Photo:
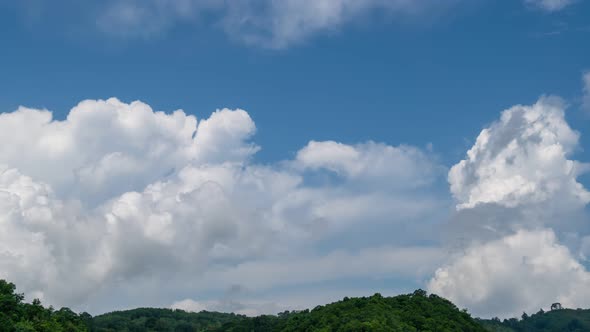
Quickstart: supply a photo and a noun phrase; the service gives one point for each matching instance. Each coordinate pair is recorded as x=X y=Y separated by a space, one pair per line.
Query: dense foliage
x=565 y=320
x=150 y=319
x=407 y=313
x=404 y=313
x=18 y=316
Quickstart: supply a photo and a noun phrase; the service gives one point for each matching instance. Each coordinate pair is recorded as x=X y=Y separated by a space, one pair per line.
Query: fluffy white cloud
x=42 y=240
x=517 y=181
x=550 y=5
x=117 y=197
x=522 y=159
x=400 y=167
x=106 y=148
x=525 y=271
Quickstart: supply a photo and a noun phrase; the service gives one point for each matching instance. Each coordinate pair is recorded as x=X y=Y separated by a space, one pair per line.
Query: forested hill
x=152 y=319
x=565 y=320
x=412 y=312
x=403 y=313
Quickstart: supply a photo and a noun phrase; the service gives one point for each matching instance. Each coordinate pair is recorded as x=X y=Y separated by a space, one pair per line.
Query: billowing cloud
x=117 y=196
x=517 y=195
x=550 y=5
x=522 y=159
x=106 y=148
x=524 y=271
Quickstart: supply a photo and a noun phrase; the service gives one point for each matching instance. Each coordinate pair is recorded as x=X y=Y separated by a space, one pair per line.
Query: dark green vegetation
x=407 y=313
x=17 y=316
x=150 y=319
x=565 y=320
x=403 y=313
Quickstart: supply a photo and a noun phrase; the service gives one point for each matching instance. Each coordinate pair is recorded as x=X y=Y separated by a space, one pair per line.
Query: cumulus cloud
x=381 y=162
x=118 y=196
x=524 y=271
x=550 y=5
x=517 y=195
x=522 y=159
x=106 y=148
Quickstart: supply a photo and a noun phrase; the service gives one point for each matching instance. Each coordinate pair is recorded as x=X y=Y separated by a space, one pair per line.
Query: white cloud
x=522 y=159
x=586 y=92
x=525 y=271
x=129 y=198
x=259 y=276
x=106 y=148
x=117 y=197
x=251 y=308
x=516 y=193
x=377 y=263
x=550 y=5
x=190 y=306
x=266 y=23
x=146 y=19
x=277 y=24
x=400 y=167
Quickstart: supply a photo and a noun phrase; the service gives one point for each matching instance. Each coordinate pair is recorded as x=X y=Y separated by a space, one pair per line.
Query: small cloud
x=549 y=5
x=190 y=305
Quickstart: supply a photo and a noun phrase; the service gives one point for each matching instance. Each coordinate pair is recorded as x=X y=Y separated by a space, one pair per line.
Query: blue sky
x=358 y=117
x=437 y=77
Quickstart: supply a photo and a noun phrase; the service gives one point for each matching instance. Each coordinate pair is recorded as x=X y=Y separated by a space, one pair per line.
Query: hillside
x=152 y=319
x=412 y=312
x=565 y=320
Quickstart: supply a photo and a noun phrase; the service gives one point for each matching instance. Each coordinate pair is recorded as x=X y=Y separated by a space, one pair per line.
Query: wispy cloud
x=550 y=5
x=266 y=23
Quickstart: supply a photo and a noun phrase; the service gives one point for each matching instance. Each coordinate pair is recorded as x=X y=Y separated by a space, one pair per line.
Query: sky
x=256 y=156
